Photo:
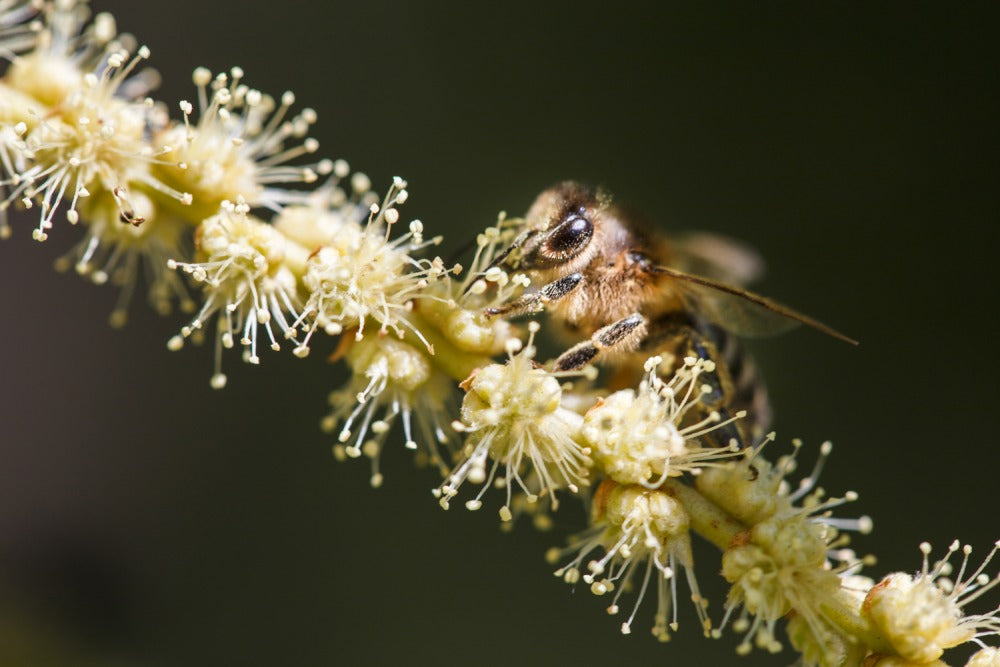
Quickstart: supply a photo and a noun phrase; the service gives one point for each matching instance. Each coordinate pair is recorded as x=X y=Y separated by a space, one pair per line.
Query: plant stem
x=707 y=519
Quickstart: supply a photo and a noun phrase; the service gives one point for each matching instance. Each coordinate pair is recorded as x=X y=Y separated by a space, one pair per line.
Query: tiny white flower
x=988 y=656
x=780 y=567
x=891 y=661
x=19 y=25
x=240 y=146
x=513 y=417
x=637 y=436
x=331 y=209
x=644 y=535
x=119 y=254
x=753 y=489
x=12 y=160
x=791 y=559
x=92 y=143
x=364 y=279
x=923 y=614
x=457 y=307
x=390 y=379
x=68 y=44
x=246 y=284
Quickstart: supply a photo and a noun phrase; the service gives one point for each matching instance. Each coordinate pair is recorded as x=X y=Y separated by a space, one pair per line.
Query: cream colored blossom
x=644 y=536
x=246 y=284
x=11 y=162
x=364 y=280
x=753 y=489
x=834 y=649
x=241 y=146
x=831 y=649
x=636 y=436
x=781 y=567
x=120 y=254
x=82 y=119
x=68 y=45
x=92 y=142
x=512 y=417
x=19 y=29
x=287 y=245
x=985 y=657
x=791 y=560
x=330 y=210
x=784 y=563
x=19 y=26
x=390 y=379
x=456 y=306
x=923 y=615
x=895 y=661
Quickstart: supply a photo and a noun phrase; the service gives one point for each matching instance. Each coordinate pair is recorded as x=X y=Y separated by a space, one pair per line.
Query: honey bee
x=635 y=293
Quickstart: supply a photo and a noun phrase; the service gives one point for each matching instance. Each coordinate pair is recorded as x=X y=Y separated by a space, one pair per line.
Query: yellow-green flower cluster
x=230 y=212
x=82 y=141
x=513 y=418
x=644 y=535
x=227 y=212
x=922 y=615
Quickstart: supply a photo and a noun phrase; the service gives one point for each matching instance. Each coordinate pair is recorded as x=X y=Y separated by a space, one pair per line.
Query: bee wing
x=716 y=256
x=740 y=311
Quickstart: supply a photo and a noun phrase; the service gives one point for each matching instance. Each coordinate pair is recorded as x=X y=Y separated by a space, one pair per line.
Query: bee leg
x=621 y=336
x=536 y=301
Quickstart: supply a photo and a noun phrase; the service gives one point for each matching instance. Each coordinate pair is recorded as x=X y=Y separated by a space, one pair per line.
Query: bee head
x=559 y=230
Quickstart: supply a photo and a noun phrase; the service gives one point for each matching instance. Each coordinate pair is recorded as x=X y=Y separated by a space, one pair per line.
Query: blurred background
x=146 y=519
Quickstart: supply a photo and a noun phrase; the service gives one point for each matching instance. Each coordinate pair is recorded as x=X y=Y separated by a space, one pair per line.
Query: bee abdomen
x=735 y=384
x=739 y=379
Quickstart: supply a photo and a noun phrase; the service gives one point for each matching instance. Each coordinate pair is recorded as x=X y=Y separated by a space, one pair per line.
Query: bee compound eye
x=570 y=236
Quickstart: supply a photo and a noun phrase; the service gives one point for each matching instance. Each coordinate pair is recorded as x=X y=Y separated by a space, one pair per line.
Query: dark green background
x=147 y=518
